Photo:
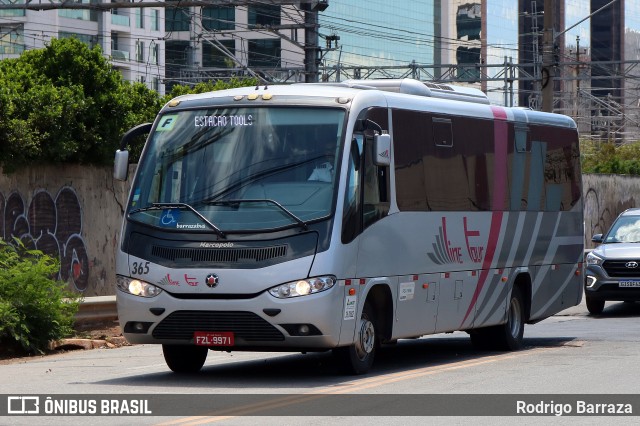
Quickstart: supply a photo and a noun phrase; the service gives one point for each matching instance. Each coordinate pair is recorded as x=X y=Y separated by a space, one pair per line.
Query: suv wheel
x=595 y=306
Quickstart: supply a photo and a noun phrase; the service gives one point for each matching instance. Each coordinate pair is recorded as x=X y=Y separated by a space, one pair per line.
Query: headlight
x=137 y=287
x=302 y=287
x=592 y=259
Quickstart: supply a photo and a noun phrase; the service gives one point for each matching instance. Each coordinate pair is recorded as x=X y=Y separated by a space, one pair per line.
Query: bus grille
x=219 y=255
x=618 y=268
x=181 y=325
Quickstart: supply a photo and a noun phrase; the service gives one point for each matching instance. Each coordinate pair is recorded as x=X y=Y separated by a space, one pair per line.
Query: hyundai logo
x=631 y=264
x=212 y=280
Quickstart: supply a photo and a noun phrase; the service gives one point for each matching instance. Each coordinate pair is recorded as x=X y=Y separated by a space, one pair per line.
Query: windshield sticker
x=223 y=120
x=169 y=217
x=166 y=123
x=136 y=197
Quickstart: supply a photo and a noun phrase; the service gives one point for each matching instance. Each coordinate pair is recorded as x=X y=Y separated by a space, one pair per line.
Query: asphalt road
x=569 y=354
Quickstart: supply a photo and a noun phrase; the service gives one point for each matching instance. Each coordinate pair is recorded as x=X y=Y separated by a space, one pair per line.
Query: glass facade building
x=380 y=36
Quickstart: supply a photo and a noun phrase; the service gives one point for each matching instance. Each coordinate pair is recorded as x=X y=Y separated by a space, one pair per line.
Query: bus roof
x=398 y=92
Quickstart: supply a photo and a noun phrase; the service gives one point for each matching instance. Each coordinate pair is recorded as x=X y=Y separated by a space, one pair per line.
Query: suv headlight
x=137 y=287
x=592 y=259
x=302 y=287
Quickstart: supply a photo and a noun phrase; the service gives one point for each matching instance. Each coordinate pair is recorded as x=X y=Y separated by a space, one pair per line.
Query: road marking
x=349 y=387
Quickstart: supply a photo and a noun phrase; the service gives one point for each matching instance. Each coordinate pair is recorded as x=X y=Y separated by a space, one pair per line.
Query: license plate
x=629 y=283
x=213 y=338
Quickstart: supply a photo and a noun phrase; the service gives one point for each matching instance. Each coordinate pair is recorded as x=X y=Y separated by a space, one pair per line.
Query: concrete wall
x=605 y=197
x=74 y=213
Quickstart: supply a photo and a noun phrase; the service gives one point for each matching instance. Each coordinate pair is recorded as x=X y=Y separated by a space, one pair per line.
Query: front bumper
x=259 y=323
x=600 y=286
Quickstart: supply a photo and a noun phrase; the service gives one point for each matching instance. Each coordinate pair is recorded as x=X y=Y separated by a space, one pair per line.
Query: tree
x=66 y=104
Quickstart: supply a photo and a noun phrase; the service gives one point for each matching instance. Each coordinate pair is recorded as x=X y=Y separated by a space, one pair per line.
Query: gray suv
x=613 y=268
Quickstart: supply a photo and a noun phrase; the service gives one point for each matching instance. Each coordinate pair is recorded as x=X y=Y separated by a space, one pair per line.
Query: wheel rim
x=515 y=318
x=366 y=339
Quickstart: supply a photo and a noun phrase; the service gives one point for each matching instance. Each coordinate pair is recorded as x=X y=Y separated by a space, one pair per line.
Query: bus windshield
x=238 y=169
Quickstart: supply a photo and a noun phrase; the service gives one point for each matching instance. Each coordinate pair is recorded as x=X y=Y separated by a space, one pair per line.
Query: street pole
x=548 y=68
x=311 y=48
x=549 y=49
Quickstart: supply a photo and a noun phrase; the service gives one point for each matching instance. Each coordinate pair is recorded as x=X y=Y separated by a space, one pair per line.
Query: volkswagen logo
x=632 y=264
x=212 y=280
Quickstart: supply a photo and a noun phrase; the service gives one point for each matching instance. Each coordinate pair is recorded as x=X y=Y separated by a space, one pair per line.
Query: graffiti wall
x=71 y=213
x=605 y=197
x=52 y=224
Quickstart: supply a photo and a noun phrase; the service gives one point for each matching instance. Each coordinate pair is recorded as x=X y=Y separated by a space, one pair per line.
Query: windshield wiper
x=299 y=221
x=162 y=206
x=257 y=176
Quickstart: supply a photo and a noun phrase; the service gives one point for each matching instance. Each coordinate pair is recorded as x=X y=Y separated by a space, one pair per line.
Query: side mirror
x=121 y=165
x=596 y=238
x=382 y=150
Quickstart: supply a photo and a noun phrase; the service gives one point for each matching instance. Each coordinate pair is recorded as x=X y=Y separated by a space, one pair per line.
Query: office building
x=132 y=38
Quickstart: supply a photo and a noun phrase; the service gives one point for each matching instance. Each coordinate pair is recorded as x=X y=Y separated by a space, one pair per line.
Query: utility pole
x=548 y=50
x=311 y=48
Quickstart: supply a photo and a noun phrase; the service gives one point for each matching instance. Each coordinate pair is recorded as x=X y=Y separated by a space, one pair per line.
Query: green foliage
x=609 y=158
x=66 y=104
x=34 y=307
x=210 y=86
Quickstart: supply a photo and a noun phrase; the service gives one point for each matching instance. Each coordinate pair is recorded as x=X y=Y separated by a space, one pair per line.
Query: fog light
x=591 y=280
x=138 y=327
x=303 y=330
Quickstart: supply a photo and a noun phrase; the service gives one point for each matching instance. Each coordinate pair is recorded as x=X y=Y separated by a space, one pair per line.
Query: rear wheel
x=358 y=357
x=184 y=358
x=507 y=336
x=594 y=306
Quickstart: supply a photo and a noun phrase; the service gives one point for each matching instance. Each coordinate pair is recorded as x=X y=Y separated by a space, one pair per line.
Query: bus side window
x=351 y=223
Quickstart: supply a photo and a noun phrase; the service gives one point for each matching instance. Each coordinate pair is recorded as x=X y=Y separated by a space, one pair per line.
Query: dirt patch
x=105 y=335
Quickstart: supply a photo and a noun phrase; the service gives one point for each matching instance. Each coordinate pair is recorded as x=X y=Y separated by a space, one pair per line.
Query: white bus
x=313 y=217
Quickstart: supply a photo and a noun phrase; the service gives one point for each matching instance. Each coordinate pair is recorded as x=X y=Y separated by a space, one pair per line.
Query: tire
x=507 y=336
x=184 y=358
x=594 y=306
x=358 y=357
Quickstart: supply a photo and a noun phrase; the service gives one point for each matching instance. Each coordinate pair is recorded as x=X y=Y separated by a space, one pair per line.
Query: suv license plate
x=629 y=283
x=213 y=338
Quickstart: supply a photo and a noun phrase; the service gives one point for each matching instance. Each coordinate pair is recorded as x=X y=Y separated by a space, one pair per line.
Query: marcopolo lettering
x=205 y=244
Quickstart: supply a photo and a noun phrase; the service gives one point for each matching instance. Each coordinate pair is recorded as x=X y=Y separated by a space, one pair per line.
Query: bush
x=35 y=308
x=607 y=157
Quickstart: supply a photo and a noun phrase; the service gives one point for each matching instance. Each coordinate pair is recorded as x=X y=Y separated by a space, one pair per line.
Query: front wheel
x=184 y=358
x=358 y=357
x=594 y=306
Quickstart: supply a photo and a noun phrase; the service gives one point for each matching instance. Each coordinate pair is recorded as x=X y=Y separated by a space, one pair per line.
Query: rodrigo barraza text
x=579 y=407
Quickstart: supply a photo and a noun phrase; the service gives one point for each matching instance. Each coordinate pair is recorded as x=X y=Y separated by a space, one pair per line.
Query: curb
x=97 y=309
x=73 y=344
